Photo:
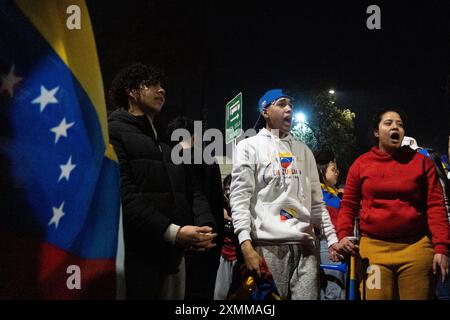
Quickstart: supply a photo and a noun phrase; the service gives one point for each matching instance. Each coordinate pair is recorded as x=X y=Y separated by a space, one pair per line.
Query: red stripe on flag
x=30 y=269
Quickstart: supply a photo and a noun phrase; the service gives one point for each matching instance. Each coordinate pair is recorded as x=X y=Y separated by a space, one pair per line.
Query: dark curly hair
x=131 y=78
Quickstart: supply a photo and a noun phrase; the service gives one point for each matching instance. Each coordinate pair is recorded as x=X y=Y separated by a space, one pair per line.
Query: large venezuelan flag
x=59 y=181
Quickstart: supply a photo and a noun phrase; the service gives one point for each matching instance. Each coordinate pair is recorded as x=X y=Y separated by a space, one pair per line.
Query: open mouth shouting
x=395 y=137
x=287 y=120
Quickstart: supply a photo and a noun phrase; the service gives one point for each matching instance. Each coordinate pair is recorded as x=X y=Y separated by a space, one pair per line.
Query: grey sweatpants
x=294 y=268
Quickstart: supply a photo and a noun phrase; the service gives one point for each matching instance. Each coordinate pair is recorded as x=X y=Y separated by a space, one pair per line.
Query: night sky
x=212 y=50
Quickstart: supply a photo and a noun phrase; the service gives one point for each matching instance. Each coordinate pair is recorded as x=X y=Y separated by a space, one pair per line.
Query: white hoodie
x=275 y=192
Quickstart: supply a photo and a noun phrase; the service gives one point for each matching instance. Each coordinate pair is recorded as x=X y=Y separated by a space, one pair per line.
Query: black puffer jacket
x=155 y=192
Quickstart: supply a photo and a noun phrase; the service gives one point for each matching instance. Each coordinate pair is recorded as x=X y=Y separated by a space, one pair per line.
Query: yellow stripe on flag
x=75 y=47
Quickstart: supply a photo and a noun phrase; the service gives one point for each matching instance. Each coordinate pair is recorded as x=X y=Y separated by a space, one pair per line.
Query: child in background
x=332 y=282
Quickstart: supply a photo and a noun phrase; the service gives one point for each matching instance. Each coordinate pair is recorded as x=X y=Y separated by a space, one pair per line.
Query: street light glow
x=300 y=117
x=331 y=91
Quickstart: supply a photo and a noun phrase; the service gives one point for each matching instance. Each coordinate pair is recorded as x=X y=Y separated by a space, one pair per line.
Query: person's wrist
x=246 y=246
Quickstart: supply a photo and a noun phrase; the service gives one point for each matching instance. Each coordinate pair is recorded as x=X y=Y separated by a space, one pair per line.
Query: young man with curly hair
x=164 y=213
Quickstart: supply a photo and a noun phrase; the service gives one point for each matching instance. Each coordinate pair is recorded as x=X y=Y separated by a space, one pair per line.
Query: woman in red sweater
x=403 y=221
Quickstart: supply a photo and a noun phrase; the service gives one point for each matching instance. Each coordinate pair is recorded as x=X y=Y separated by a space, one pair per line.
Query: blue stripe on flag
x=69 y=188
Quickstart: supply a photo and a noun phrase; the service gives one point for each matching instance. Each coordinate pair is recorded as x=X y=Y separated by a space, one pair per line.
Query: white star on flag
x=61 y=129
x=57 y=215
x=66 y=169
x=9 y=81
x=46 y=97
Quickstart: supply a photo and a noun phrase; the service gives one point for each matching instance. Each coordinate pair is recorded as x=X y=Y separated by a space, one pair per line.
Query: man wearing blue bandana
x=276 y=201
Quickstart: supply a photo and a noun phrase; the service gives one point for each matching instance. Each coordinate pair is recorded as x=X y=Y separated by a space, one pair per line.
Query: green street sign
x=233 y=119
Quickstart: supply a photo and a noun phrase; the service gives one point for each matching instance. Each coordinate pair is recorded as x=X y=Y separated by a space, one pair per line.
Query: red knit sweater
x=399 y=196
